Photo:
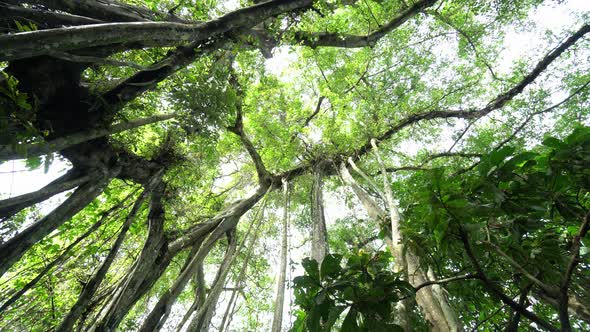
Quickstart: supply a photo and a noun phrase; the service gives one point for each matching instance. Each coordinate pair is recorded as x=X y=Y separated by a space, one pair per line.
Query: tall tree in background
x=277 y=320
x=179 y=121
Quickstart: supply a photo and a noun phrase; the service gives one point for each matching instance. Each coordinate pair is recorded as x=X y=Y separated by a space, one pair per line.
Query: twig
x=549 y=289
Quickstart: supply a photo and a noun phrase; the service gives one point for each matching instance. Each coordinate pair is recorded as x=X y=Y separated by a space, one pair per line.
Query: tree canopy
x=296 y=165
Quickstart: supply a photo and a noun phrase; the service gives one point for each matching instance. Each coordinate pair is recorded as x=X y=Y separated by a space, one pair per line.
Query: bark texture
x=319 y=234
x=204 y=314
x=280 y=295
x=10 y=152
x=85 y=297
x=148 y=267
x=433 y=302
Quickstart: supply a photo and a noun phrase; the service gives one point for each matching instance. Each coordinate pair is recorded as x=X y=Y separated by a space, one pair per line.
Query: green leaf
x=330 y=266
x=349 y=324
x=333 y=316
x=33 y=163
x=497 y=156
x=311 y=268
x=552 y=142
x=305 y=282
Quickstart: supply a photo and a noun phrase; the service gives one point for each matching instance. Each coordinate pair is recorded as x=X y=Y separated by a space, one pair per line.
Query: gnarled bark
x=51 y=265
x=9 y=152
x=148 y=267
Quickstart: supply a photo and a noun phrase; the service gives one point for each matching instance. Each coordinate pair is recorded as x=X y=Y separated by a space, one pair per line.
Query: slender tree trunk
x=9 y=152
x=148 y=267
x=93 y=284
x=242 y=273
x=228 y=309
x=13 y=249
x=319 y=235
x=432 y=301
x=376 y=212
x=11 y=206
x=157 y=317
x=200 y=295
x=202 y=319
x=50 y=266
x=575 y=306
x=280 y=297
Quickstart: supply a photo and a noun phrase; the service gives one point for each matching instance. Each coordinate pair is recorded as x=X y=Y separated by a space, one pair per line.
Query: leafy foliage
x=364 y=284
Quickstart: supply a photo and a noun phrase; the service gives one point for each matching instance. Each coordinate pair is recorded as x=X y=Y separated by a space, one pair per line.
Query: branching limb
x=9 y=152
x=445 y=280
x=567 y=276
x=353 y=41
x=366 y=178
x=12 y=250
x=553 y=291
x=495 y=104
x=238 y=128
x=492 y=288
x=85 y=297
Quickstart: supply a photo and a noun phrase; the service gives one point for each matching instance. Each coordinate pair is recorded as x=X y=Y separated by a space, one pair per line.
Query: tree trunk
x=13 y=249
x=227 y=221
x=202 y=319
x=319 y=235
x=157 y=317
x=242 y=273
x=200 y=295
x=575 y=306
x=93 y=284
x=432 y=301
x=376 y=212
x=148 y=267
x=9 y=152
x=11 y=206
x=280 y=297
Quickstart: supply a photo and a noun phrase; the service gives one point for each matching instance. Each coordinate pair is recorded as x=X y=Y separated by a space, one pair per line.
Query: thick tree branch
x=12 y=250
x=238 y=129
x=495 y=104
x=41 y=18
x=218 y=32
x=104 y=10
x=70 y=180
x=553 y=291
x=9 y=152
x=353 y=41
